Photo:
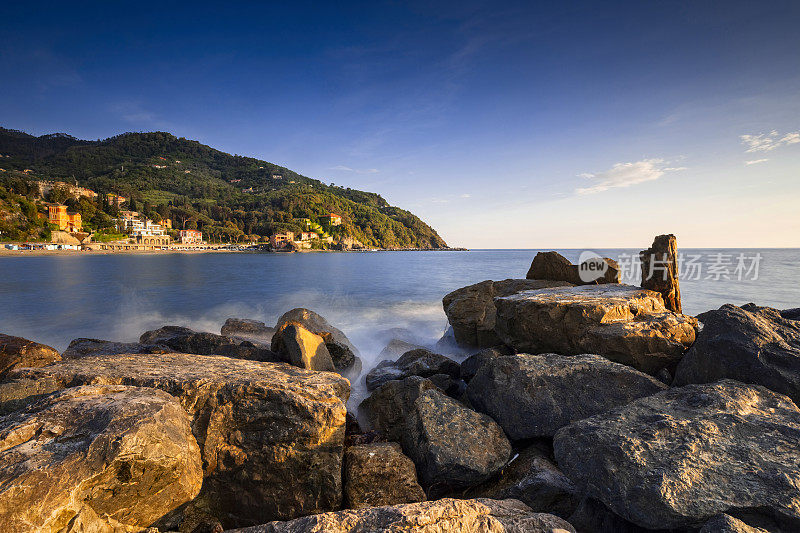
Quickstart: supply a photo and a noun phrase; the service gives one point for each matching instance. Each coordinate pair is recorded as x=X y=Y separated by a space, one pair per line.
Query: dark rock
x=379 y=474
x=16 y=352
x=396 y=348
x=536 y=395
x=304 y=349
x=271 y=435
x=750 y=344
x=626 y=324
x=185 y=340
x=82 y=347
x=386 y=408
x=96 y=458
x=249 y=330
x=591 y=516
x=660 y=270
x=441 y=516
x=453 y=387
x=471 y=312
x=724 y=523
x=342 y=351
x=453 y=446
x=553 y=266
x=473 y=363
x=420 y=362
x=681 y=456
x=791 y=314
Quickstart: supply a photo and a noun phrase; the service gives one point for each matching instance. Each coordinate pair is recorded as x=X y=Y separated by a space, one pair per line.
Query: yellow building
x=58 y=215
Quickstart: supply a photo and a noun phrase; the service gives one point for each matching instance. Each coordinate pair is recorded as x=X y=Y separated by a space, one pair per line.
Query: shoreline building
x=191 y=236
x=281 y=240
x=65 y=220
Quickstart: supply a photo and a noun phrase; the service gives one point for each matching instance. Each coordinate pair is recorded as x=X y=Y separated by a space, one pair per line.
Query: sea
x=56 y=298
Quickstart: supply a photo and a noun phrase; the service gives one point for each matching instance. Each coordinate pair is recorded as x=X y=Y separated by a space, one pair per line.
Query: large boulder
x=82 y=347
x=453 y=446
x=440 y=516
x=626 y=324
x=750 y=344
x=96 y=458
x=532 y=478
x=344 y=354
x=249 y=330
x=555 y=267
x=185 y=340
x=473 y=363
x=724 y=523
x=470 y=310
x=16 y=352
x=681 y=456
x=419 y=362
x=386 y=409
x=271 y=435
x=660 y=270
x=305 y=349
x=536 y=395
x=378 y=474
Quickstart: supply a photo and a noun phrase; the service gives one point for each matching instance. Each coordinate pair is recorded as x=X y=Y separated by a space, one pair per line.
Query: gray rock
x=395 y=348
x=82 y=347
x=591 y=516
x=385 y=410
x=304 y=349
x=536 y=395
x=420 y=362
x=723 y=523
x=660 y=270
x=249 y=330
x=623 y=323
x=471 y=312
x=791 y=314
x=96 y=458
x=750 y=344
x=440 y=516
x=453 y=446
x=681 y=456
x=473 y=363
x=16 y=352
x=342 y=351
x=184 y=340
x=555 y=267
x=379 y=474
x=271 y=435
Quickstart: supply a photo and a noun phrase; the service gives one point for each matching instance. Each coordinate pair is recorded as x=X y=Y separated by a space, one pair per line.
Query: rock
x=532 y=478
x=420 y=362
x=553 y=266
x=453 y=446
x=591 y=516
x=96 y=458
x=473 y=363
x=16 y=352
x=536 y=395
x=453 y=387
x=750 y=344
x=82 y=347
x=185 y=340
x=681 y=456
x=622 y=323
x=246 y=329
x=385 y=410
x=396 y=348
x=305 y=349
x=441 y=516
x=471 y=312
x=723 y=523
x=791 y=314
x=660 y=270
x=379 y=474
x=16 y=394
x=271 y=435
x=342 y=351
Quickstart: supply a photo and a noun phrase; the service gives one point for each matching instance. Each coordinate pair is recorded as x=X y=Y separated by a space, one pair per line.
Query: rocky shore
x=585 y=405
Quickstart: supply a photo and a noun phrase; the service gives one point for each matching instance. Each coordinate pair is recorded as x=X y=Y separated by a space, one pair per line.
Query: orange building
x=333 y=219
x=191 y=236
x=58 y=215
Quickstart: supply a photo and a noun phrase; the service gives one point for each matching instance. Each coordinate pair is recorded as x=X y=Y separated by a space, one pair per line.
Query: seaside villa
x=191 y=236
x=69 y=221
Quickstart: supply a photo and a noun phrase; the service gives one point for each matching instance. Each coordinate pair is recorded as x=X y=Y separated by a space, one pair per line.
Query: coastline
x=4 y=252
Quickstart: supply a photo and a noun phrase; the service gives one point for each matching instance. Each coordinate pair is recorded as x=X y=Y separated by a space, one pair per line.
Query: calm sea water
x=54 y=299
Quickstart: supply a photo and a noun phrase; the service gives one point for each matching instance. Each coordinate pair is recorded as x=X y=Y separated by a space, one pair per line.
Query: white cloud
x=766 y=142
x=466 y=196
x=356 y=170
x=755 y=161
x=626 y=174
x=342 y=167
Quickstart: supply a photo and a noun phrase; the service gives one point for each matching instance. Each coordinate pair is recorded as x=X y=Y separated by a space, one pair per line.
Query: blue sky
x=502 y=124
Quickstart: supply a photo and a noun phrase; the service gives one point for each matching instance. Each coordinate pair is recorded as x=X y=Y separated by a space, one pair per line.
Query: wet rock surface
x=536 y=395
x=184 y=340
x=343 y=353
x=684 y=455
x=378 y=474
x=96 y=458
x=82 y=347
x=419 y=362
x=386 y=409
x=16 y=352
x=249 y=330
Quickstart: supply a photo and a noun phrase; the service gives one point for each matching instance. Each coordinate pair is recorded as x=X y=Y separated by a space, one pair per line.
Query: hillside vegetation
x=229 y=197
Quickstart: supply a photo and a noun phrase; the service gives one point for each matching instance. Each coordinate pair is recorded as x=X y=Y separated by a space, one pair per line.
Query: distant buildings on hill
x=333 y=219
x=191 y=236
x=115 y=199
x=58 y=215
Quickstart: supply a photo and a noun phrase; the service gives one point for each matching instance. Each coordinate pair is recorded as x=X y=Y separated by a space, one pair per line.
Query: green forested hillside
x=229 y=197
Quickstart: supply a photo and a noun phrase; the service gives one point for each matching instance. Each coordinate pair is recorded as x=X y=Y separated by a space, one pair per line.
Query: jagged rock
x=626 y=324
x=536 y=395
x=16 y=352
x=532 y=478
x=473 y=363
x=385 y=410
x=82 y=347
x=18 y=393
x=420 y=362
x=440 y=516
x=555 y=267
x=185 y=340
x=305 y=349
x=453 y=446
x=396 y=348
x=343 y=353
x=271 y=435
x=96 y=458
x=470 y=310
x=727 y=524
x=750 y=344
x=681 y=456
x=249 y=330
x=791 y=314
x=379 y=474
x=660 y=270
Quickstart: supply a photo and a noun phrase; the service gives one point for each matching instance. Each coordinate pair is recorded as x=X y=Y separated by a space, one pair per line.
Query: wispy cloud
x=626 y=174
x=134 y=113
x=344 y=168
x=465 y=195
x=755 y=161
x=766 y=142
